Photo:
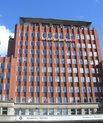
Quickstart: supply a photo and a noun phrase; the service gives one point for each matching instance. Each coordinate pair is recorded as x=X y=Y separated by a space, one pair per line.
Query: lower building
x=72 y=113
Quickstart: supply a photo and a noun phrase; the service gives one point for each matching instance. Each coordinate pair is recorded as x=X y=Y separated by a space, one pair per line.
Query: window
x=90 y=54
x=44 y=79
x=70 y=79
x=57 y=89
x=36 y=88
x=78 y=45
x=88 y=37
x=49 y=69
x=37 y=69
x=56 y=60
x=73 y=53
x=67 y=35
x=44 y=35
x=96 y=62
x=75 y=79
x=23 y=99
x=57 y=69
x=37 y=51
x=32 y=43
x=44 y=52
x=95 y=89
x=77 y=36
x=63 y=79
x=87 y=79
x=55 y=35
x=80 y=61
x=94 y=79
x=44 y=43
x=81 y=70
x=37 y=60
x=43 y=69
x=68 y=52
x=44 y=89
x=64 y=89
x=74 y=70
x=61 y=35
x=31 y=78
x=64 y=100
x=85 y=61
x=62 y=70
x=37 y=43
x=49 y=35
x=61 y=52
x=56 y=44
x=57 y=79
x=74 y=61
x=89 y=89
x=50 y=79
x=51 y=111
x=92 y=70
x=95 y=54
x=19 y=51
x=49 y=52
x=58 y=100
x=17 y=99
x=83 y=89
x=43 y=60
x=49 y=60
x=17 y=88
x=71 y=99
x=56 y=52
x=70 y=70
x=84 y=53
x=49 y=44
x=71 y=89
x=61 y=61
x=37 y=78
x=4 y=111
x=61 y=44
x=23 y=89
x=68 y=61
x=83 y=46
x=50 y=88
x=92 y=37
x=31 y=89
x=25 y=59
x=37 y=34
x=76 y=89
x=86 y=70
x=80 y=53
x=82 y=79
x=82 y=36
x=89 y=45
x=32 y=60
x=94 y=46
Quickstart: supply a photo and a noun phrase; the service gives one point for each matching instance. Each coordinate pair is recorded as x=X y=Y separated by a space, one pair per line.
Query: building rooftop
x=54 y=21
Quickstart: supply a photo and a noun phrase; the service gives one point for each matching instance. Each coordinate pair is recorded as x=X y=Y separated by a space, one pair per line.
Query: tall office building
x=52 y=69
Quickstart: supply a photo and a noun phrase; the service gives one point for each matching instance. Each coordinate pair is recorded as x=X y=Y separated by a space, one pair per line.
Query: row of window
x=56 y=60
x=56 y=69
x=58 y=89
x=2 y=65
x=58 y=35
x=56 y=44
x=56 y=52
x=57 y=111
x=58 y=99
x=57 y=79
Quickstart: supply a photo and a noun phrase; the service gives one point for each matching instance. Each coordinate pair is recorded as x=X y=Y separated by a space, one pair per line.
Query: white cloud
x=4 y=37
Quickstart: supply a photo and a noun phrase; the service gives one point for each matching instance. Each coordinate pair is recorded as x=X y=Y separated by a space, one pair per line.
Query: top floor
x=56 y=22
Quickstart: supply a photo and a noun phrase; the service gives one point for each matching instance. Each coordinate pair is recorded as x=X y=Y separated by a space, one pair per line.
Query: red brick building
x=52 y=61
